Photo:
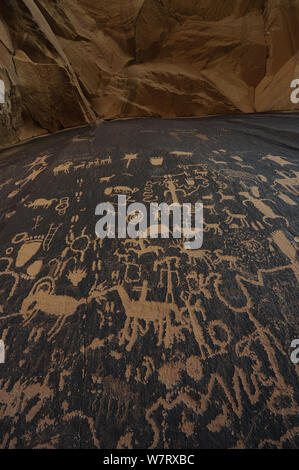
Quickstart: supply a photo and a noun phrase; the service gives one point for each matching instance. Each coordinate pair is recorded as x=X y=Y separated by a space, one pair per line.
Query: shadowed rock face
x=68 y=62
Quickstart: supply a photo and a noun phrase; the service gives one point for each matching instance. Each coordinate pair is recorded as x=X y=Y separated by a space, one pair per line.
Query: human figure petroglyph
x=127 y=259
x=30 y=177
x=172 y=190
x=260 y=205
x=42 y=160
x=37 y=221
x=250 y=382
x=77 y=244
x=199 y=284
x=168 y=265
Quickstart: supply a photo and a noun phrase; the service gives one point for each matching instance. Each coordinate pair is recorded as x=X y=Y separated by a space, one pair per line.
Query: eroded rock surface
x=69 y=62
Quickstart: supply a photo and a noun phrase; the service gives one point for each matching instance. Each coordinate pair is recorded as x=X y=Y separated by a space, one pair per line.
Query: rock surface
x=122 y=343
x=69 y=62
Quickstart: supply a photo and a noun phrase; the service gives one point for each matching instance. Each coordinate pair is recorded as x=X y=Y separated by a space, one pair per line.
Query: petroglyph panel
x=135 y=343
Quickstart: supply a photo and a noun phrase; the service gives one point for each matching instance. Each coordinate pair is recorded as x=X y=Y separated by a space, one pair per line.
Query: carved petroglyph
x=63 y=168
x=260 y=205
x=205 y=331
x=288 y=249
x=157 y=161
x=107 y=179
x=106 y=161
x=231 y=218
x=181 y=153
x=129 y=157
x=63 y=205
x=279 y=160
x=290 y=184
x=40 y=204
x=42 y=298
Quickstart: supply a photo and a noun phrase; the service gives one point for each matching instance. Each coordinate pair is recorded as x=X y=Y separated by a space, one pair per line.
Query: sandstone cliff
x=70 y=62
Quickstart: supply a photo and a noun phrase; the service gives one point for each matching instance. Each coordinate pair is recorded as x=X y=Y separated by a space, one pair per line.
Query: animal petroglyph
x=213 y=227
x=107 y=179
x=142 y=247
x=106 y=161
x=42 y=298
x=120 y=190
x=260 y=205
x=63 y=168
x=236 y=217
x=157 y=313
x=40 y=203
